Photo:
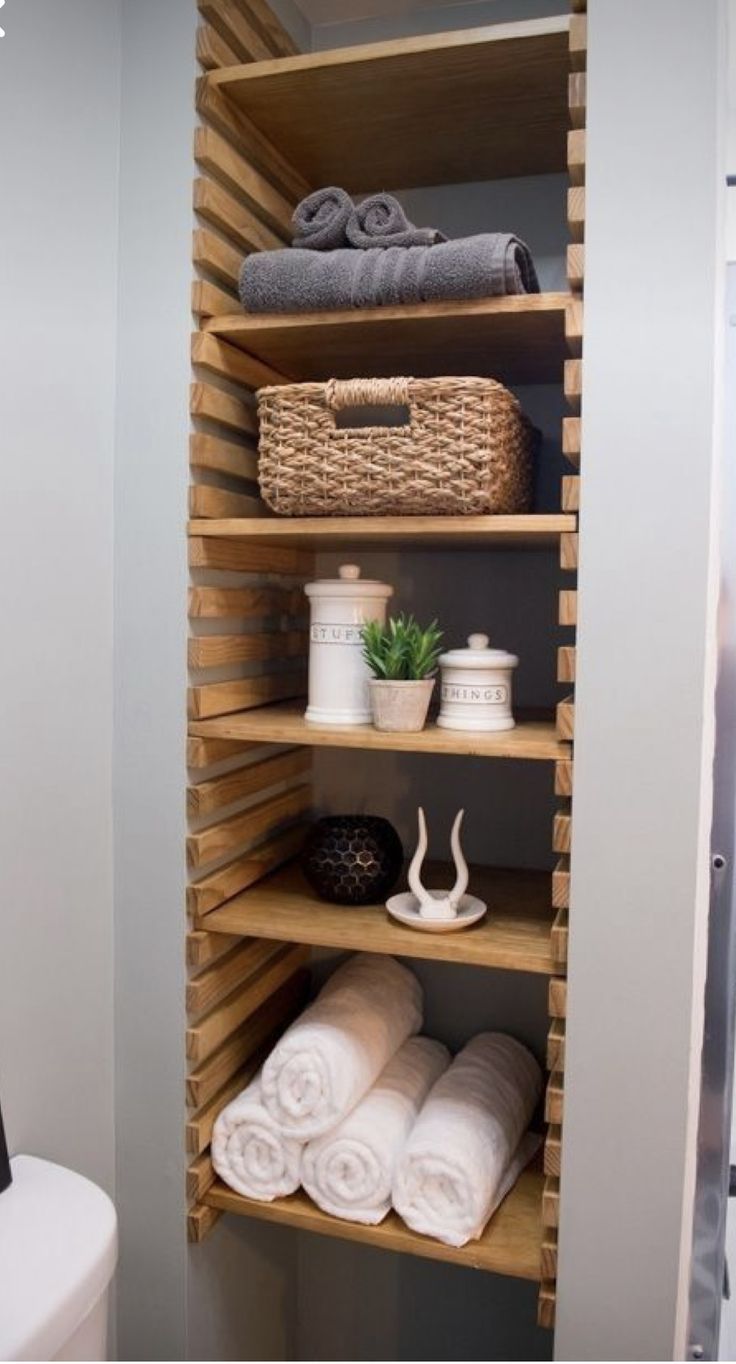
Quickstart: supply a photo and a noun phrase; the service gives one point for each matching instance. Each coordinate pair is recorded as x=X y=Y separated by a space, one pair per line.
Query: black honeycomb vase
x=352 y=859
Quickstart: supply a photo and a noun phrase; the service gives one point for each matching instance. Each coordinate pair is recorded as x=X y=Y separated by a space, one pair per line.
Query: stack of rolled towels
x=369 y=255
x=365 y=1114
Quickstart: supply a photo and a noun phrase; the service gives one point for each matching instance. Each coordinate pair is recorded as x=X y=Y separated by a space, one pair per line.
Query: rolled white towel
x=466 y=1149
x=332 y=1054
x=349 y=1172
x=250 y=1153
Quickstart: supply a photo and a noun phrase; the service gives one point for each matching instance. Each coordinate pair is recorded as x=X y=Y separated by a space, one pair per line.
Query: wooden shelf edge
x=536 y=530
x=510 y=1245
x=254 y=323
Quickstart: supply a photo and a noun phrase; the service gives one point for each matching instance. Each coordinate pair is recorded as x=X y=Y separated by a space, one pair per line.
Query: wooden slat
x=566 y=664
x=246 y=603
x=222 y=838
x=217 y=257
x=206 y=894
x=198 y=1130
x=200 y=1177
x=202 y=948
x=209 y=300
x=576 y=98
x=551 y=1202
x=222 y=698
x=275 y=36
x=576 y=155
x=559 y=936
x=571 y=492
x=213 y=503
x=215 y=405
x=243 y=556
x=568 y=607
x=228 y=215
x=571 y=440
x=576 y=212
x=210 y=1032
x=546 y=1303
x=230 y=362
x=561 y=884
x=562 y=832
x=214 y=154
x=574 y=325
x=549 y=1254
x=563 y=777
x=522 y=530
x=566 y=718
x=554 y=1100
x=556 y=1045
x=214 y=651
x=573 y=376
x=219 y=792
x=204 y=752
x=273 y=1015
x=576 y=267
x=222 y=456
x=232 y=23
x=200 y=1221
x=210 y=986
x=578 y=41
x=212 y=50
x=569 y=544
x=557 y=997
x=553 y=1151
x=250 y=142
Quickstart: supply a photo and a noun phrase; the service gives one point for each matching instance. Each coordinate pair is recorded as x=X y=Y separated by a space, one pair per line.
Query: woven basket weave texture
x=467 y=449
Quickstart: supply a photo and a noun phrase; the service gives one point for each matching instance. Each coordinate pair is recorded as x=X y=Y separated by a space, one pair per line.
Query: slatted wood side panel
x=566 y=662
x=247 y=804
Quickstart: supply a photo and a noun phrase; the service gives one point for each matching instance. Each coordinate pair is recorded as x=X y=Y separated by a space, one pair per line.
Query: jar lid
x=348 y=584
x=478 y=655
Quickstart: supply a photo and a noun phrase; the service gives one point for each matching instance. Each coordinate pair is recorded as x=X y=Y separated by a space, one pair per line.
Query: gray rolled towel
x=294 y=281
x=320 y=221
x=381 y=221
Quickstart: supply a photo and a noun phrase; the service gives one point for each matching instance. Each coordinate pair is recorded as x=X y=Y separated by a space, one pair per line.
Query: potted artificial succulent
x=403 y=660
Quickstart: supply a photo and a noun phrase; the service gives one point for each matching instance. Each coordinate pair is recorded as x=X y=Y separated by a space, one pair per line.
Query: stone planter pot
x=401 y=707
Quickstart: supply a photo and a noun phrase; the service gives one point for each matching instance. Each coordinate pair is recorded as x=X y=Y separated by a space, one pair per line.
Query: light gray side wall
x=59 y=168
x=644 y=695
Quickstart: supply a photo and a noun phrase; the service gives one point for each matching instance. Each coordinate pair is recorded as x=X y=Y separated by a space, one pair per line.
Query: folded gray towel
x=381 y=221
x=320 y=220
x=294 y=281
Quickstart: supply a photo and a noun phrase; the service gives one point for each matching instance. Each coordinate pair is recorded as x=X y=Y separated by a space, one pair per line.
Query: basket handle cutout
x=342 y=393
x=388 y=415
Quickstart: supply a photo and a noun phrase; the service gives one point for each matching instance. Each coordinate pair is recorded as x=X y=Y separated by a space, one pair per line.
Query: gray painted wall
x=58 y=263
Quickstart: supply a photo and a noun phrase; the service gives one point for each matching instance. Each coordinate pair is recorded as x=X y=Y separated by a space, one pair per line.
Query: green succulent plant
x=400 y=650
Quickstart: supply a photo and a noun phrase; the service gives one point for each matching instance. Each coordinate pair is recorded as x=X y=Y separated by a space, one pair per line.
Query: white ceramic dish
x=405 y=908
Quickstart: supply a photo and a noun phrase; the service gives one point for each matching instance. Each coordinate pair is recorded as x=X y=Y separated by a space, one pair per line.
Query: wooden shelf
x=536 y=531
x=517 y=339
x=515 y=935
x=511 y=1243
x=476 y=104
x=285 y=724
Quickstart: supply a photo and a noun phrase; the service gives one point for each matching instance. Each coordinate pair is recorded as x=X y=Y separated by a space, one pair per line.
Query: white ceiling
x=344 y=11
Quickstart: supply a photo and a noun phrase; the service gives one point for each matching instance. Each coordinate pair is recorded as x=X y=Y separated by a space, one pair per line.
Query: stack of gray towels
x=369 y=255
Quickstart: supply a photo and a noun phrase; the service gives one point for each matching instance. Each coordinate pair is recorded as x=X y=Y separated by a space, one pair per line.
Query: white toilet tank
x=58 y=1248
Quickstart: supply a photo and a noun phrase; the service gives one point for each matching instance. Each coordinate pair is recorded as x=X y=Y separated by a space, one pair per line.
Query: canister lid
x=348 y=584
x=478 y=655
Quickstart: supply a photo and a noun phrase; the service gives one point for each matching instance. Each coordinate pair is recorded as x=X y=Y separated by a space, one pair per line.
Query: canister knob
x=478 y=641
x=349 y=572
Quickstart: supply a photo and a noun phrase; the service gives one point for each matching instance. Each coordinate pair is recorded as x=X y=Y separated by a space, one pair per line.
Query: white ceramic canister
x=338 y=673
x=476 y=687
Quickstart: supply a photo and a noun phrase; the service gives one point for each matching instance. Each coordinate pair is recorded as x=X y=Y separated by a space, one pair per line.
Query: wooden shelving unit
x=515 y=936
x=511 y=1243
x=519 y=339
x=476 y=105
x=285 y=724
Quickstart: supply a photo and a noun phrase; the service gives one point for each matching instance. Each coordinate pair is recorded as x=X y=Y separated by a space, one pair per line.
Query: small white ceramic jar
x=338 y=673
x=476 y=687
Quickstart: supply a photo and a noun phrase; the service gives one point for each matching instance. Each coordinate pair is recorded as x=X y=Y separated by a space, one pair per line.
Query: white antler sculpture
x=438 y=904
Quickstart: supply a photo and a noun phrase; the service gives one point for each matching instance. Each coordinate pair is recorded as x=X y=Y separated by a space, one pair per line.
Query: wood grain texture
x=222 y=457
x=212 y=50
x=557 y=997
x=232 y=22
x=246 y=603
x=573 y=375
x=559 y=936
x=209 y=796
x=214 y=108
x=220 y=208
x=215 y=405
x=515 y=936
x=203 y=753
x=546 y=1305
x=198 y=1130
x=571 y=492
x=215 y=503
x=268 y=821
x=568 y=607
x=273 y=1015
x=576 y=267
x=576 y=212
x=549 y=1254
x=217 y=257
x=553 y=1151
x=571 y=438
x=563 y=777
x=511 y=1243
x=576 y=93
x=335 y=114
x=202 y=948
x=210 y=1032
x=517 y=339
x=217 y=357
x=245 y=555
x=215 y=155
x=522 y=531
x=200 y=1175
x=200 y=1222
x=276 y=37
x=566 y=663
x=574 y=325
x=578 y=41
x=551 y=1202
x=209 y=300
x=214 y=651
x=285 y=724
x=562 y=832
x=561 y=884
x=556 y=1045
x=222 y=838
x=215 y=982
x=566 y=718
x=576 y=155
x=554 y=1099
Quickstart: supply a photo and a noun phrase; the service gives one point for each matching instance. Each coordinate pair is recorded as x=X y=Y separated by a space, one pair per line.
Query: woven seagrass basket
x=467 y=449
